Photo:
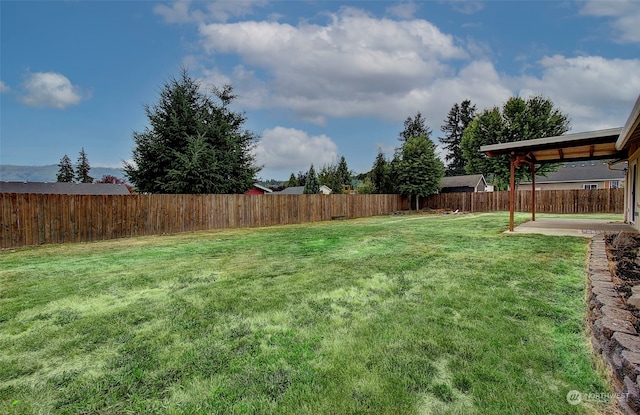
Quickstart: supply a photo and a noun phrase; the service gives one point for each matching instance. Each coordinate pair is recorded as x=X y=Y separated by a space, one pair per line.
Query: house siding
x=570 y=186
x=631 y=203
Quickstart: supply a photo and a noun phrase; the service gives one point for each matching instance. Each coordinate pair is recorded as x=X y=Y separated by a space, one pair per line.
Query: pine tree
x=343 y=175
x=380 y=175
x=312 y=186
x=293 y=182
x=302 y=178
x=414 y=127
x=460 y=116
x=194 y=143
x=83 y=168
x=65 y=171
x=328 y=176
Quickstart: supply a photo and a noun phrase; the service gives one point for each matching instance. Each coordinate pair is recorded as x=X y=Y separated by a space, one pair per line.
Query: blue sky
x=316 y=79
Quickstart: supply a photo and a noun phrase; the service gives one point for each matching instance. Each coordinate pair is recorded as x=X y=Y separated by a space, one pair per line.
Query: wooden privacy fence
x=36 y=219
x=547 y=201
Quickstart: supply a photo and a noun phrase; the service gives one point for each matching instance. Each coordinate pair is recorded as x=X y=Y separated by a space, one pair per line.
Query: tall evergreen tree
x=460 y=116
x=380 y=175
x=417 y=169
x=517 y=120
x=83 y=168
x=293 y=182
x=312 y=186
x=65 y=171
x=343 y=174
x=302 y=178
x=415 y=126
x=328 y=176
x=194 y=143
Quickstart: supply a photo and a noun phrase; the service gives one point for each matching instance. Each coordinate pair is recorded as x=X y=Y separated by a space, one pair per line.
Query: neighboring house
x=64 y=188
x=580 y=175
x=258 y=190
x=469 y=183
x=298 y=190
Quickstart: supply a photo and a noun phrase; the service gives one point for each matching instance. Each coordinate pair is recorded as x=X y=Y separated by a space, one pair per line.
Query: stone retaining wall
x=613 y=329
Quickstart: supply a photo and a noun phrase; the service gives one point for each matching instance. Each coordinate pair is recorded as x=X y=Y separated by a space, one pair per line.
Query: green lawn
x=412 y=314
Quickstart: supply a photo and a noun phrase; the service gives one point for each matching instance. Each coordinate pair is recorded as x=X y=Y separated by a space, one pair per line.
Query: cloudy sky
x=316 y=79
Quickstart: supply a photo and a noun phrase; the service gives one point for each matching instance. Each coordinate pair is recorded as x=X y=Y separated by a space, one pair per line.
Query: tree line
x=465 y=132
x=67 y=174
x=195 y=143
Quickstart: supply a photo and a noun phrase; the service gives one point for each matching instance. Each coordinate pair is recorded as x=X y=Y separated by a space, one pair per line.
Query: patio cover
x=591 y=145
x=569 y=147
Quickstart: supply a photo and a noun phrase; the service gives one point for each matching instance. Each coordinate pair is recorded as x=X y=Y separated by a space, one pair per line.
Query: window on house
x=614 y=184
x=589 y=186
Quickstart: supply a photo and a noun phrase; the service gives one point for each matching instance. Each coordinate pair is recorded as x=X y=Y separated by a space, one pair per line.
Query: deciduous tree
x=417 y=169
x=109 y=179
x=517 y=120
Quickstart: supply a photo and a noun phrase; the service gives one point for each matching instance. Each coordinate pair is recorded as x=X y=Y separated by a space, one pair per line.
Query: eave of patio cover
x=592 y=145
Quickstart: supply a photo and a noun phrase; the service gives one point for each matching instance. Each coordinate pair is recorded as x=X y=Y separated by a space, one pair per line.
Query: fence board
x=41 y=219
x=547 y=201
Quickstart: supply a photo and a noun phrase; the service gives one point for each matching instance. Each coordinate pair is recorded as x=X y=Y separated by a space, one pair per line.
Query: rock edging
x=614 y=336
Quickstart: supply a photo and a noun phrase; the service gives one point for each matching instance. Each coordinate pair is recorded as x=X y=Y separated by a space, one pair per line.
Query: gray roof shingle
x=470 y=180
x=64 y=188
x=579 y=172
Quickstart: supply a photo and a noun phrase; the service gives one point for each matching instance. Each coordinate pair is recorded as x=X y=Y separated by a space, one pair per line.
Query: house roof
x=590 y=145
x=265 y=189
x=294 y=190
x=471 y=180
x=631 y=130
x=582 y=172
x=298 y=190
x=64 y=188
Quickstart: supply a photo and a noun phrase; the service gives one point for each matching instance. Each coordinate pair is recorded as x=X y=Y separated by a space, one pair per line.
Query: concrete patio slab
x=585 y=228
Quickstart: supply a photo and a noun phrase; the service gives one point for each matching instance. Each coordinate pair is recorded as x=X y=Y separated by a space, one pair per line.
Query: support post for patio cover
x=512 y=191
x=533 y=192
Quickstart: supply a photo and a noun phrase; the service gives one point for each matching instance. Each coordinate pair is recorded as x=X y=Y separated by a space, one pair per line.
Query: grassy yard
x=416 y=314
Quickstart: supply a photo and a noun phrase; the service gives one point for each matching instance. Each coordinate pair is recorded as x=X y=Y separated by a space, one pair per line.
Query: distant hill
x=10 y=173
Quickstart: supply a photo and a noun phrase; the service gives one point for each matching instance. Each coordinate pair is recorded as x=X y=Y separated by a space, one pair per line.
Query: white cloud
x=595 y=92
x=466 y=6
x=355 y=65
x=3 y=88
x=50 y=90
x=178 y=12
x=223 y=10
x=292 y=150
x=625 y=15
x=220 y=11
x=404 y=10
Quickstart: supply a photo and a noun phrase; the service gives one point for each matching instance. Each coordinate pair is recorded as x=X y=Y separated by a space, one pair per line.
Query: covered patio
x=592 y=145
x=586 y=228
x=614 y=144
